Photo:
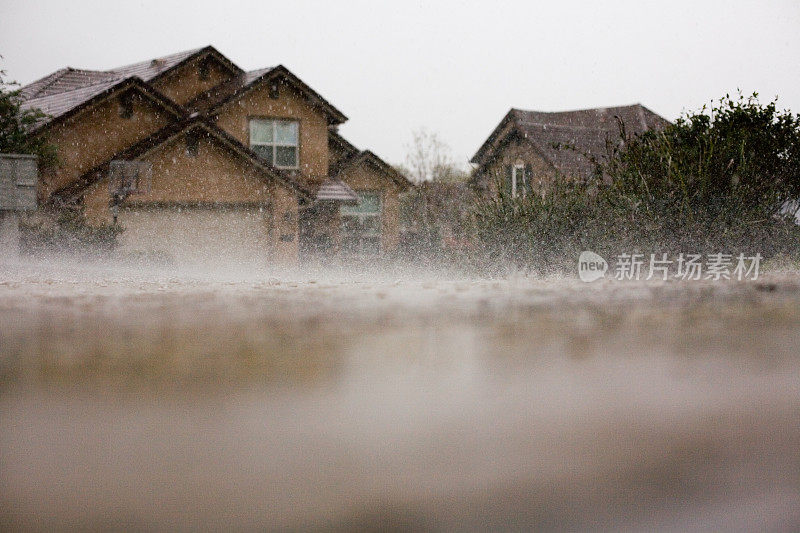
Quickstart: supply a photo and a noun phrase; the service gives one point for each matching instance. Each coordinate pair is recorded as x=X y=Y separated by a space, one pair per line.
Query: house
x=199 y=160
x=529 y=149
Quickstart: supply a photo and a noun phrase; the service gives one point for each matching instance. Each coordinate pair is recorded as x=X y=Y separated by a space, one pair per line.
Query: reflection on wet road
x=406 y=404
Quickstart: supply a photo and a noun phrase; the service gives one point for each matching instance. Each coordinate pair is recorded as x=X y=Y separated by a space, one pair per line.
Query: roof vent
x=158 y=63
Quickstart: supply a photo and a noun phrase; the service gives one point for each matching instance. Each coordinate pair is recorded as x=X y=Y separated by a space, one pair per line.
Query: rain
x=246 y=297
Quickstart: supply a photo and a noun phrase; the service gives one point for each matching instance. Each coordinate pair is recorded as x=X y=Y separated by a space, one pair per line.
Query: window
x=361 y=224
x=276 y=141
x=518 y=181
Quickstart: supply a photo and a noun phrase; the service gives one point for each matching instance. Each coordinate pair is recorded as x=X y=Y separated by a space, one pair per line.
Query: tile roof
x=636 y=116
x=65 y=80
x=57 y=104
x=68 y=79
x=149 y=69
x=566 y=138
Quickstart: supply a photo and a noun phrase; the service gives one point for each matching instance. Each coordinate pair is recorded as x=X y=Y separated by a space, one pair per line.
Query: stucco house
x=529 y=149
x=241 y=166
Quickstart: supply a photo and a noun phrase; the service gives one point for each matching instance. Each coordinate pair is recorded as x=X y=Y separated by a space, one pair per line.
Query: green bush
x=718 y=181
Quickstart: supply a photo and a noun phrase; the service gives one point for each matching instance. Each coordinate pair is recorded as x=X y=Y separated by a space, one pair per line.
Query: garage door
x=196 y=235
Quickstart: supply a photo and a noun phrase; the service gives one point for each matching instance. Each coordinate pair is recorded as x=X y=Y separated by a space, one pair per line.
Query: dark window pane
x=264 y=151
x=286 y=156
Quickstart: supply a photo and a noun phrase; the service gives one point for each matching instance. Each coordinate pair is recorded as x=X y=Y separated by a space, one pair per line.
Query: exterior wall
x=184 y=83
x=234 y=119
x=214 y=177
x=509 y=154
x=94 y=135
x=208 y=237
x=285 y=235
x=364 y=178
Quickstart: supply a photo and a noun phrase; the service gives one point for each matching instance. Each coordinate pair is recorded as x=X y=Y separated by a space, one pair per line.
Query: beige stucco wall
x=234 y=119
x=95 y=134
x=184 y=83
x=364 y=177
x=214 y=176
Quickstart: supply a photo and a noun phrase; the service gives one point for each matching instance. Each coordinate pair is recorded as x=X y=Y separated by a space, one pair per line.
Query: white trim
x=517 y=170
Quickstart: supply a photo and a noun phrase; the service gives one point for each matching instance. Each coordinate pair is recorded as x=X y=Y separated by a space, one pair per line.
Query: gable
x=216 y=176
x=261 y=102
x=194 y=76
x=89 y=135
x=368 y=171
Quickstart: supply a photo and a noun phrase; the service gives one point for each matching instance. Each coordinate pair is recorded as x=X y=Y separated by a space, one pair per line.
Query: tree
x=435 y=215
x=721 y=179
x=16 y=123
x=740 y=160
x=428 y=159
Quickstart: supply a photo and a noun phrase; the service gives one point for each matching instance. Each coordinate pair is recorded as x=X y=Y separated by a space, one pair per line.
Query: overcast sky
x=454 y=68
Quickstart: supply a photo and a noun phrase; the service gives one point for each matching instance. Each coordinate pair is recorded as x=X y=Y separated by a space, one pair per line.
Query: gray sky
x=454 y=68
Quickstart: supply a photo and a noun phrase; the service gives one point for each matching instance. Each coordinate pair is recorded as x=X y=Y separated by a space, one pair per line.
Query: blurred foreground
x=408 y=402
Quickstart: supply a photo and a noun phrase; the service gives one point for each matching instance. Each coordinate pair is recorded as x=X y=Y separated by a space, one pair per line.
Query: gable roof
x=60 y=105
x=214 y=99
x=563 y=138
x=69 y=89
x=64 y=80
x=164 y=135
x=343 y=145
x=357 y=157
x=152 y=69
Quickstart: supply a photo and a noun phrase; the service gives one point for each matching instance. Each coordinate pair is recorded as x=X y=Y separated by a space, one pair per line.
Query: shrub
x=727 y=180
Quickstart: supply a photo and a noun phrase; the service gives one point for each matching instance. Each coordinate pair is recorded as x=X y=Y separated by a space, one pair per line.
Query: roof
x=365 y=156
x=336 y=189
x=343 y=145
x=151 y=69
x=565 y=138
x=214 y=99
x=69 y=89
x=64 y=80
x=58 y=106
x=167 y=133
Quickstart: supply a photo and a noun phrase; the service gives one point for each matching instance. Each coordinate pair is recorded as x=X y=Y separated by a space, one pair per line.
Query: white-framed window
x=276 y=140
x=518 y=180
x=361 y=224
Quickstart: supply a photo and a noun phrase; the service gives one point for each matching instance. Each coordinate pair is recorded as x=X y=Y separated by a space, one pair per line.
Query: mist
x=399 y=266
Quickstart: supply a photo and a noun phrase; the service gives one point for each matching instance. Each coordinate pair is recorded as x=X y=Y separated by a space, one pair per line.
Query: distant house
x=241 y=166
x=528 y=149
